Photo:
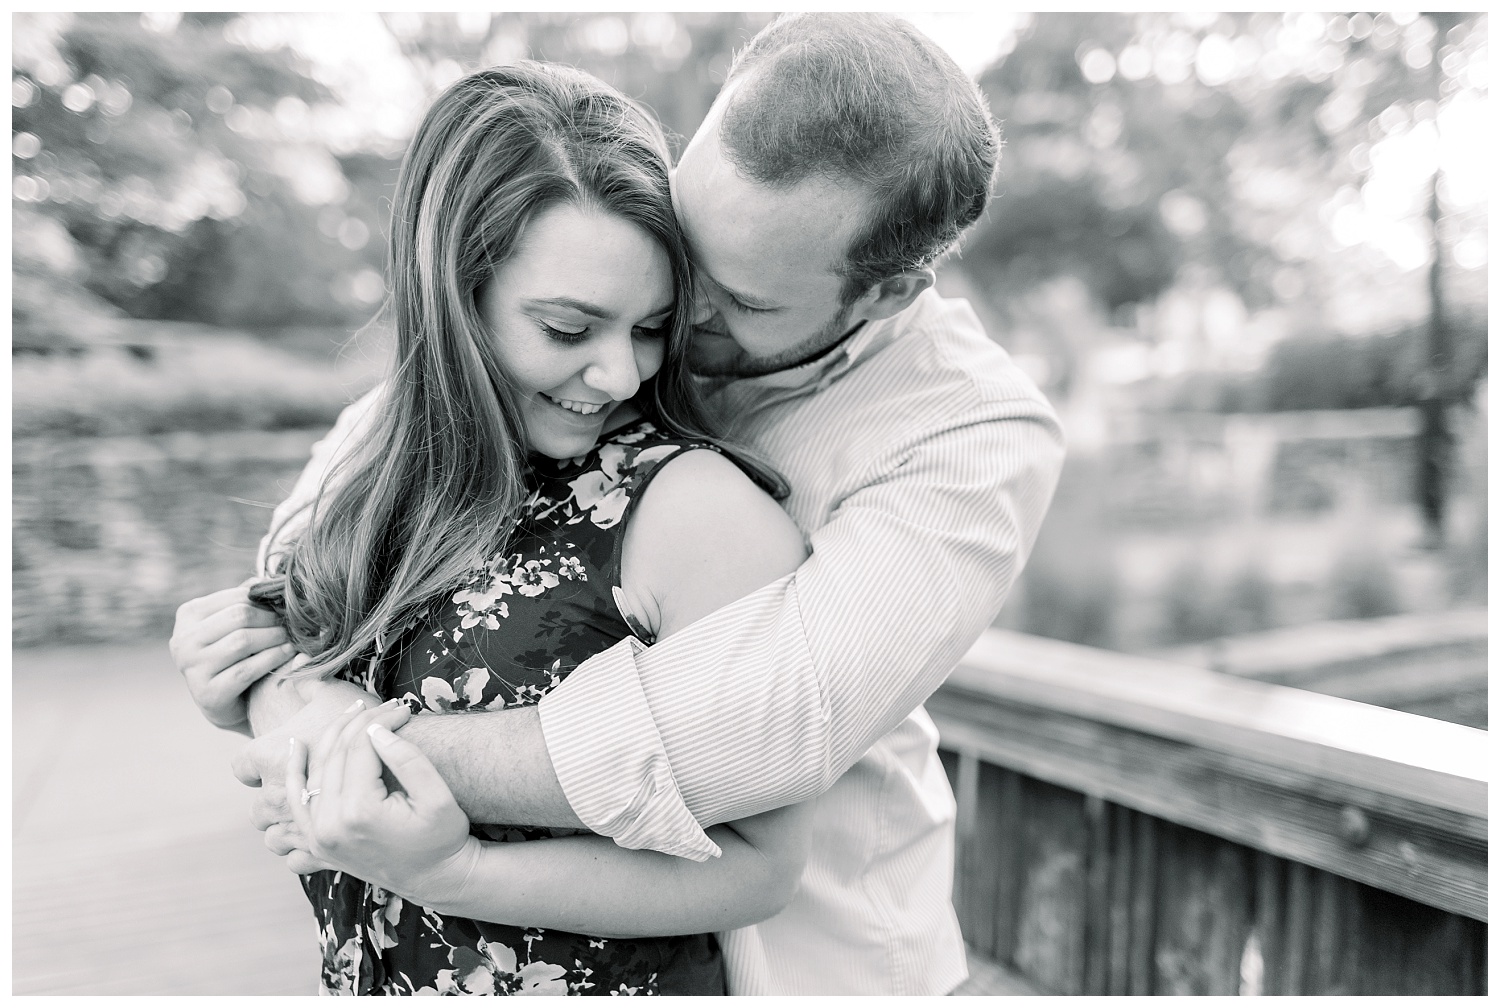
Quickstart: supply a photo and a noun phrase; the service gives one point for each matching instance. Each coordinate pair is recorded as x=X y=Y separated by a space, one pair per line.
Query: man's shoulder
x=941 y=347
x=360 y=410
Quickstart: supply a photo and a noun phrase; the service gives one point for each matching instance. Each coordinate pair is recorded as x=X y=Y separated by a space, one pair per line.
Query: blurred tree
x=185 y=159
x=1112 y=178
x=674 y=63
x=161 y=145
x=1290 y=157
x=1439 y=388
x=1358 y=372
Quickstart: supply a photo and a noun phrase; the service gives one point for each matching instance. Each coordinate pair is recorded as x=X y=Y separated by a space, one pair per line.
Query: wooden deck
x=989 y=978
x=134 y=869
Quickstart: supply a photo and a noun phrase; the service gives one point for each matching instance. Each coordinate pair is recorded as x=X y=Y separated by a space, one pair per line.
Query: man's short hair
x=869 y=99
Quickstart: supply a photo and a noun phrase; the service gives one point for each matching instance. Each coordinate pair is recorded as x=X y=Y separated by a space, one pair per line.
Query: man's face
x=767 y=293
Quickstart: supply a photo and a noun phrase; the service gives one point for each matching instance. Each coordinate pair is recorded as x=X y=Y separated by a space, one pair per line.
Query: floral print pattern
x=513 y=629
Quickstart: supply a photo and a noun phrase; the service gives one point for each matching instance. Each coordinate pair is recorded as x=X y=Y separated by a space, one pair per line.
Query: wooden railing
x=1131 y=826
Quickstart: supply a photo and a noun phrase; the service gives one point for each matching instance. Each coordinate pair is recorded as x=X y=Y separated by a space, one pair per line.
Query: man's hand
x=222 y=643
x=261 y=764
x=378 y=809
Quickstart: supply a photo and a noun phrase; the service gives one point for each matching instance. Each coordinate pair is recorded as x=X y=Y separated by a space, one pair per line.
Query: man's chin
x=717 y=355
x=711 y=355
x=735 y=365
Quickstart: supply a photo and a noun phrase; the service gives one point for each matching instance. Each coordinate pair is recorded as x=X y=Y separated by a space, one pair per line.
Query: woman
x=537 y=484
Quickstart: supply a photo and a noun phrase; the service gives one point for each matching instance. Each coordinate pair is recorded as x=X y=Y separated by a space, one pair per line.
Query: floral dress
x=515 y=627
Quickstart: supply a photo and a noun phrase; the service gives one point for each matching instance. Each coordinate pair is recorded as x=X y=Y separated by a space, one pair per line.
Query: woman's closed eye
x=564 y=333
x=570 y=336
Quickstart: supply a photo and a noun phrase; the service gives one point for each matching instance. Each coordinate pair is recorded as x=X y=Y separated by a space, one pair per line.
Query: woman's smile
x=573 y=406
x=555 y=424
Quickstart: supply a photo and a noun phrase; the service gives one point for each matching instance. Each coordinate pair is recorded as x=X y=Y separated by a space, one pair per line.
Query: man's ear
x=891 y=296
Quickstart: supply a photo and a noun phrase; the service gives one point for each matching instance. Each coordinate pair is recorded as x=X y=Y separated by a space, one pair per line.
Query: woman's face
x=580 y=314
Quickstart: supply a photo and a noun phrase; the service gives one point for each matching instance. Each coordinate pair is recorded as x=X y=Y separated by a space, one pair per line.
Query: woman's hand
x=413 y=840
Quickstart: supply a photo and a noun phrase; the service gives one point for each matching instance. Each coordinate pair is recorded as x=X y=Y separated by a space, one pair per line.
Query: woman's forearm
x=589 y=885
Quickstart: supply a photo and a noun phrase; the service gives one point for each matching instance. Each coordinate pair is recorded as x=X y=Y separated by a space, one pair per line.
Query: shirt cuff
x=610 y=759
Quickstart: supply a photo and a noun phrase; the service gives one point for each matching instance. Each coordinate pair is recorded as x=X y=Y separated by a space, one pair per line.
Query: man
x=843 y=156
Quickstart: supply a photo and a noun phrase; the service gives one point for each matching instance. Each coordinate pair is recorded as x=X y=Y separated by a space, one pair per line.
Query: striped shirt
x=921 y=461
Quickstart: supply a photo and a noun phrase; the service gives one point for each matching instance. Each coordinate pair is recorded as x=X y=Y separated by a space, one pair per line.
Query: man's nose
x=614 y=371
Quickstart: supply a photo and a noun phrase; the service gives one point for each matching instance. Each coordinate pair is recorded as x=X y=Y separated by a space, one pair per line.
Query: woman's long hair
x=433 y=486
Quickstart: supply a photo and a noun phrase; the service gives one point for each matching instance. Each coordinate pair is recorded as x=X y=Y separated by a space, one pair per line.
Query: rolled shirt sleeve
x=771 y=699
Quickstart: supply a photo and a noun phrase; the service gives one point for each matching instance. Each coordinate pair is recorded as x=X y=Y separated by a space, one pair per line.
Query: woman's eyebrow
x=586 y=308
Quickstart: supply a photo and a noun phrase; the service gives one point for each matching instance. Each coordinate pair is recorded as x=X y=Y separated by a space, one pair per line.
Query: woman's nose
x=615 y=370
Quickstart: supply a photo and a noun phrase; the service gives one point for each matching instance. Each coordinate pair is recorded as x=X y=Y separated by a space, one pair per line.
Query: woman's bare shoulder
x=703 y=535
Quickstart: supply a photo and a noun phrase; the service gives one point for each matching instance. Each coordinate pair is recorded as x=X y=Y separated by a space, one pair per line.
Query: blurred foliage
x=51 y=310
x=1138 y=142
x=1071 y=588
x=1466 y=557
x=216 y=381
x=184 y=160
x=1363 y=584
x=1198 y=604
x=149 y=141
x=673 y=63
x=1280 y=158
x=1249 y=601
x=1331 y=372
x=1192 y=609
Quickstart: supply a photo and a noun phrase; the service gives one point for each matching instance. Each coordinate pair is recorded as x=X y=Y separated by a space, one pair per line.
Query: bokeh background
x=1244 y=255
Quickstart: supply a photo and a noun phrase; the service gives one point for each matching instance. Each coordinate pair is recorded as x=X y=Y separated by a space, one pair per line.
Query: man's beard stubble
x=714 y=354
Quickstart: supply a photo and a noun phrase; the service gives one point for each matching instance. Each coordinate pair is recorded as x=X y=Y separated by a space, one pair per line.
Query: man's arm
x=496 y=764
x=415 y=842
x=772 y=698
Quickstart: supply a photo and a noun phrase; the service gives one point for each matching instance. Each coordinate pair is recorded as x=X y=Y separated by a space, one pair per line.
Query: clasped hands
x=410 y=838
x=362 y=800
x=395 y=830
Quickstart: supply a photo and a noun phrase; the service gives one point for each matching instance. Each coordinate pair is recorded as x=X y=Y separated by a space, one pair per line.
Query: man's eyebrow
x=585 y=308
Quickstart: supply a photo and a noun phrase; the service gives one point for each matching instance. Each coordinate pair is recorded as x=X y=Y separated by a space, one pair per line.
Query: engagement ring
x=307 y=795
